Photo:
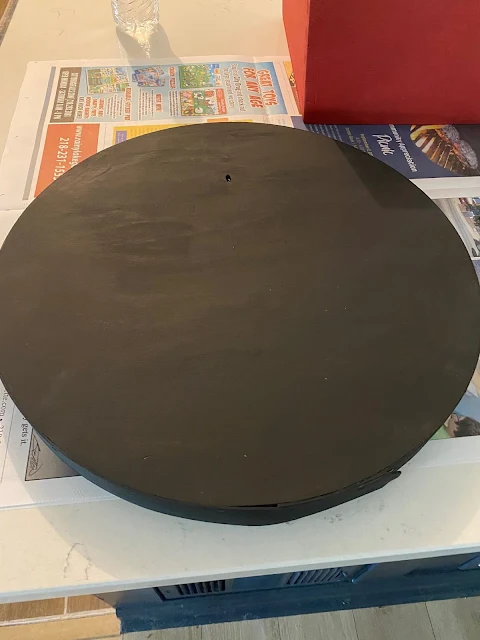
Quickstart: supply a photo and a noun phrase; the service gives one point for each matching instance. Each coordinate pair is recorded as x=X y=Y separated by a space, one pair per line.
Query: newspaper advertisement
x=69 y=110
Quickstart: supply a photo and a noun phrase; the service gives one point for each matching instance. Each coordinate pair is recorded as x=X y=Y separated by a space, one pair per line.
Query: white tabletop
x=79 y=29
x=92 y=548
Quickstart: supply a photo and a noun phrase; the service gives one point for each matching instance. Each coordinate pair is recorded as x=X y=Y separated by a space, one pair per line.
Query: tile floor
x=443 y=620
x=88 y=618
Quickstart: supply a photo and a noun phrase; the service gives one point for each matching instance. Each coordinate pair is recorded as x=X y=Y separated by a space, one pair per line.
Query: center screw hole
x=228 y=177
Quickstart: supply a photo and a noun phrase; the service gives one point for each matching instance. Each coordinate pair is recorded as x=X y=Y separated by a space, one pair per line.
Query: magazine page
x=442 y=160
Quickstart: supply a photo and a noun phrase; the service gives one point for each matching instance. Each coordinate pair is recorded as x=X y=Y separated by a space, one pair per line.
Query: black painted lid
x=266 y=338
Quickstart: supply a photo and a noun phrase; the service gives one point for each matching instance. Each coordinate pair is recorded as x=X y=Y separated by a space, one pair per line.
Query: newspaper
x=69 y=110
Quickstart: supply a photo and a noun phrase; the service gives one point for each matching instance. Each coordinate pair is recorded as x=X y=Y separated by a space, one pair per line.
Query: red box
x=383 y=61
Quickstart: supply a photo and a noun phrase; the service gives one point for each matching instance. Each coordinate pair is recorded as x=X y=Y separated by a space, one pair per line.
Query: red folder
x=382 y=61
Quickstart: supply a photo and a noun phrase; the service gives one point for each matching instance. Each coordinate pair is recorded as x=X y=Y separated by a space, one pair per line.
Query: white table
x=432 y=510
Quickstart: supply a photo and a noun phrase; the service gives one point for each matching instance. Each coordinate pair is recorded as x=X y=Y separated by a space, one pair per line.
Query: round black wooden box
x=240 y=323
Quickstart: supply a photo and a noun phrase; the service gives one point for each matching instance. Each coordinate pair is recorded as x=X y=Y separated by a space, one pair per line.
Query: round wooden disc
x=234 y=316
